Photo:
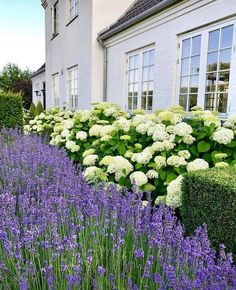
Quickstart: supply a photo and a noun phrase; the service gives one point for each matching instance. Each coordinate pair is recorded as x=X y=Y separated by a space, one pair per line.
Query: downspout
x=105 y=61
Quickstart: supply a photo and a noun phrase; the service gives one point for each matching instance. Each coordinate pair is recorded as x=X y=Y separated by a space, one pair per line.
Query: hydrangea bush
x=58 y=232
x=149 y=149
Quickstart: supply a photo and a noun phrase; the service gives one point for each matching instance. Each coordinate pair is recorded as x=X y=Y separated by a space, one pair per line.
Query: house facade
x=39 y=86
x=159 y=53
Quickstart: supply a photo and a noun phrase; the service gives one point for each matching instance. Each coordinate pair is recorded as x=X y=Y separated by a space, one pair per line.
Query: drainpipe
x=105 y=61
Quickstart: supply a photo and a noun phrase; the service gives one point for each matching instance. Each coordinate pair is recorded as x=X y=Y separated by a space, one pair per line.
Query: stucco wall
x=163 y=31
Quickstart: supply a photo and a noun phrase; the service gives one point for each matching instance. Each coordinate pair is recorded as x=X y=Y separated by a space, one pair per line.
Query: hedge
x=210 y=197
x=11 y=110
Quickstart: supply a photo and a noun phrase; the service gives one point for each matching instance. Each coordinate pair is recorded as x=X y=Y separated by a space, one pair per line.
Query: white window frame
x=56 y=89
x=73 y=8
x=139 y=52
x=204 y=32
x=73 y=90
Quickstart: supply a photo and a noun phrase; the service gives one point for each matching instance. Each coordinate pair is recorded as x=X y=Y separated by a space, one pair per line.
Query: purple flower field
x=58 y=232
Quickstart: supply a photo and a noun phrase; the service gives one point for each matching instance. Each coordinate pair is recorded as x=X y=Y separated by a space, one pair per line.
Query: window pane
x=131 y=76
x=185 y=66
x=184 y=83
x=145 y=88
x=150 y=88
x=210 y=101
x=136 y=76
x=225 y=59
x=131 y=62
x=227 y=36
x=145 y=59
x=131 y=89
x=214 y=40
x=143 y=103
x=151 y=71
x=145 y=74
x=186 y=47
x=150 y=101
x=135 y=89
x=135 y=103
x=192 y=101
x=211 y=82
x=196 y=45
x=195 y=65
x=223 y=82
x=194 y=84
x=152 y=57
x=130 y=103
x=212 y=61
x=183 y=101
x=136 y=61
x=222 y=103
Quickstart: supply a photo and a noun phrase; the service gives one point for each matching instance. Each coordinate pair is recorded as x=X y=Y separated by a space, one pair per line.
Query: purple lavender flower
x=101 y=271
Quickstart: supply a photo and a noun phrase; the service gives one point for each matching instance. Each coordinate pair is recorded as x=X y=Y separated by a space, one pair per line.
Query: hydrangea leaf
x=203 y=146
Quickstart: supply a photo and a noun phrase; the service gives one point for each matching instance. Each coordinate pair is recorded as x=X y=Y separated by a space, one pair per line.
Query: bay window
x=205 y=68
x=140 y=79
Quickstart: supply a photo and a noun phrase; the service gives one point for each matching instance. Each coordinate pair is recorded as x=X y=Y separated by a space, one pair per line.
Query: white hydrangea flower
x=107 y=160
x=90 y=160
x=170 y=129
x=182 y=129
x=94 y=173
x=223 y=135
x=184 y=153
x=161 y=146
x=105 y=138
x=197 y=164
x=125 y=137
x=81 y=135
x=95 y=130
x=174 y=193
x=71 y=145
x=209 y=119
x=58 y=119
x=142 y=158
x=58 y=139
x=32 y=122
x=231 y=122
x=68 y=124
x=120 y=166
x=88 y=152
x=151 y=174
x=142 y=128
x=221 y=164
x=128 y=154
x=176 y=161
x=122 y=124
x=110 y=112
x=139 y=178
x=65 y=133
x=35 y=127
x=106 y=130
x=167 y=116
x=160 y=162
x=188 y=139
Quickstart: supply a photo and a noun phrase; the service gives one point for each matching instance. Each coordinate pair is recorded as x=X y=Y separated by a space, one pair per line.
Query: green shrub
x=11 y=110
x=39 y=109
x=210 y=197
x=32 y=110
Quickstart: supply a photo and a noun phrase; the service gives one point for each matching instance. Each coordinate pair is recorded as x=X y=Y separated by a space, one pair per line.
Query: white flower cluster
x=176 y=161
x=182 y=129
x=143 y=157
x=223 y=135
x=174 y=192
x=71 y=145
x=81 y=135
x=160 y=162
x=120 y=166
x=90 y=160
x=139 y=178
x=231 y=122
x=197 y=164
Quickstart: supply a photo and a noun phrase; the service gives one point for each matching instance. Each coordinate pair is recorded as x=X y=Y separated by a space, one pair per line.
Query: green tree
x=13 y=79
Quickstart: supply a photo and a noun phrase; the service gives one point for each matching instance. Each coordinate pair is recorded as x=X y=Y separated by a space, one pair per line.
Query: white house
x=159 y=53
x=39 y=86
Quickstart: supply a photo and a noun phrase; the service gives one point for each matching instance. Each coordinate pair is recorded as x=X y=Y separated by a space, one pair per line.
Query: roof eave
x=37 y=73
x=160 y=6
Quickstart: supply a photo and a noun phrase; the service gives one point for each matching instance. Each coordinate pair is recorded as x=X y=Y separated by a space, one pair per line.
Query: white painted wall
x=76 y=44
x=37 y=85
x=163 y=31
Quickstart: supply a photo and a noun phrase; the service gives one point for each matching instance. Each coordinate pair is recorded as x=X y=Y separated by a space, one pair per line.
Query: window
x=189 y=75
x=55 y=19
x=140 y=79
x=73 y=87
x=205 y=68
x=55 y=90
x=74 y=5
x=218 y=69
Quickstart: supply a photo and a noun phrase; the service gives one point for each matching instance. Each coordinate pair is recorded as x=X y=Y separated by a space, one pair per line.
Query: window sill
x=71 y=20
x=54 y=36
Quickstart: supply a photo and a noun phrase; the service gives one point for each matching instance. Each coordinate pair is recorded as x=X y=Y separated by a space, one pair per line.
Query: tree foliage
x=14 y=79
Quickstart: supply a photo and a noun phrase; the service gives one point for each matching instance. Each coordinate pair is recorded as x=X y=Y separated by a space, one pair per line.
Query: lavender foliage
x=58 y=232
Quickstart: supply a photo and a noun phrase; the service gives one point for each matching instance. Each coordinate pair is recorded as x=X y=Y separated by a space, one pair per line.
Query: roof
x=140 y=10
x=39 y=71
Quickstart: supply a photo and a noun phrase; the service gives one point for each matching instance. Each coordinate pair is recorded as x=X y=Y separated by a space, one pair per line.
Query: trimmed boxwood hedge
x=11 y=110
x=210 y=197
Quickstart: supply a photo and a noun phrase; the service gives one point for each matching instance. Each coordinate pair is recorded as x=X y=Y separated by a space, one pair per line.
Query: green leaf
x=121 y=149
x=193 y=150
x=234 y=155
x=232 y=144
x=151 y=164
x=162 y=174
x=170 y=177
x=138 y=166
x=201 y=135
x=203 y=146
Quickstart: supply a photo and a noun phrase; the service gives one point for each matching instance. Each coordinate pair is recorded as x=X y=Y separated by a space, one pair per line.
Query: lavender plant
x=58 y=232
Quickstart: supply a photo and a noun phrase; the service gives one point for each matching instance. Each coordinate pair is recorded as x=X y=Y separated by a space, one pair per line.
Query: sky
x=22 y=33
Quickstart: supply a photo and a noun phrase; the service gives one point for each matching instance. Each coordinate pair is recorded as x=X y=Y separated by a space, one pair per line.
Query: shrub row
x=210 y=197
